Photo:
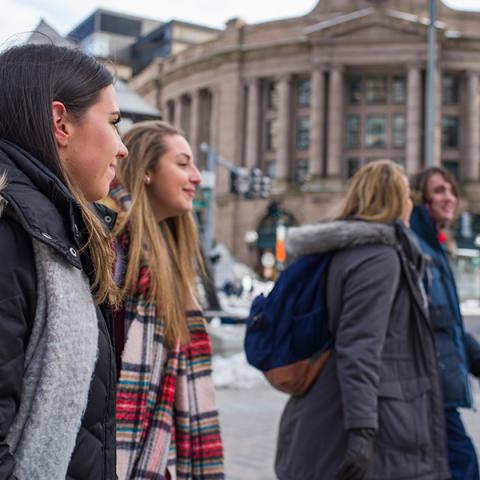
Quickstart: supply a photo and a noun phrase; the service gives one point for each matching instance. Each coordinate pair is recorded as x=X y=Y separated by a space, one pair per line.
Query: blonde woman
x=167 y=422
x=375 y=411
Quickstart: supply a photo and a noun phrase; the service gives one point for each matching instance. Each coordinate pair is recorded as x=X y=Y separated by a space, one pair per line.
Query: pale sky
x=20 y=16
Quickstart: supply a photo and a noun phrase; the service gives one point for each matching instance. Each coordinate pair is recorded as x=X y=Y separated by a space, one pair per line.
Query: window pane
x=376 y=89
x=271 y=94
x=399 y=160
x=353 y=131
x=355 y=90
x=272 y=135
x=452 y=167
x=301 y=170
x=303 y=133
x=353 y=164
x=376 y=135
x=398 y=90
x=271 y=169
x=450 y=132
x=303 y=93
x=398 y=130
x=450 y=89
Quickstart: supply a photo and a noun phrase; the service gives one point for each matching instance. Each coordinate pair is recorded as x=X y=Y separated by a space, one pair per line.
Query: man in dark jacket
x=458 y=352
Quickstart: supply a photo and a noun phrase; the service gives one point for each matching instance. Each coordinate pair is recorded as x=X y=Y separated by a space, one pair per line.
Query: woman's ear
x=59 y=117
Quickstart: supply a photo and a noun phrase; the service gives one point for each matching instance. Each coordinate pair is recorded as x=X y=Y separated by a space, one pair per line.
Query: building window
x=303 y=133
x=353 y=131
x=398 y=130
x=452 y=167
x=450 y=131
x=301 y=170
x=171 y=112
x=399 y=161
x=353 y=164
x=271 y=169
x=272 y=135
x=376 y=89
x=376 y=134
x=271 y=94
x=450 y=89
x=303 y=93
x=398 y=90
x=355 y=90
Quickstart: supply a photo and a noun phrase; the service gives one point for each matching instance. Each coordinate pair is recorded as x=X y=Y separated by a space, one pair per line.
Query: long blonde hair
x=378 y=193
x=170 y=247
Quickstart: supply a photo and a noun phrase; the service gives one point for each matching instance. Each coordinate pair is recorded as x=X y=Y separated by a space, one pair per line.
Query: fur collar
x=326 y=236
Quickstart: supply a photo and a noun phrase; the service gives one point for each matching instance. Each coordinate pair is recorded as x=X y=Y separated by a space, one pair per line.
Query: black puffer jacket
x=38 y=206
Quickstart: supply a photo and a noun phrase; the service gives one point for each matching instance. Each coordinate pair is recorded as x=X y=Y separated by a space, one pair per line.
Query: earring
x=146 y=179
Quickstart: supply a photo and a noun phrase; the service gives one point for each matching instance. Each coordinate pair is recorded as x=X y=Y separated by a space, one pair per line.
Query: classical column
x=178 y=112
x=317 y=106
x=253 y=123
x=471 y=167
x=335 y=124
x=283 y=143
x=414 y=110
x=195 y=123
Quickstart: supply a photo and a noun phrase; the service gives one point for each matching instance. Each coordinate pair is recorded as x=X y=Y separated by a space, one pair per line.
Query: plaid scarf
x=166 y=409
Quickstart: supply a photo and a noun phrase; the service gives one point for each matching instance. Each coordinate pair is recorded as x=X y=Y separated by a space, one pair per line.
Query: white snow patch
x=470 y=307
x=235 y=373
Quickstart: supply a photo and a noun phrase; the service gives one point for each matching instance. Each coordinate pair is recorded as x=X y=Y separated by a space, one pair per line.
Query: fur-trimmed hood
x=326 y=236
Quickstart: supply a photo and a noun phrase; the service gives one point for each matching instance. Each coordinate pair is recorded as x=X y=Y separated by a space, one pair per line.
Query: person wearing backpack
x=458 y=351
x=375 y=410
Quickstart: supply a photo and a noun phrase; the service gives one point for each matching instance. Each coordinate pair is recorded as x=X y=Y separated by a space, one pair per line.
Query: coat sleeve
x=472 y=348
x=17 y=309
x=368 y=293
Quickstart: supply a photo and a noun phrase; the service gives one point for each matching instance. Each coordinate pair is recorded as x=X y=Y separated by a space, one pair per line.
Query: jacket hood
x=422 y=223
x=327 y=236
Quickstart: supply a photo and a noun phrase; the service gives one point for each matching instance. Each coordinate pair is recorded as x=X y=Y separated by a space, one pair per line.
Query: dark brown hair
x=419 y=183
x=32 y=77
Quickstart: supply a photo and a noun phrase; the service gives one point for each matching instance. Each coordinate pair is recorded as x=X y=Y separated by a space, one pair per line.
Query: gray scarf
x=59 y=364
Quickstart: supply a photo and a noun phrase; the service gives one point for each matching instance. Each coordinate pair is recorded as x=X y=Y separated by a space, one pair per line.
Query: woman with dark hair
x=167 y=419
x=375 y=411
x=58 y=153
x=436 y=197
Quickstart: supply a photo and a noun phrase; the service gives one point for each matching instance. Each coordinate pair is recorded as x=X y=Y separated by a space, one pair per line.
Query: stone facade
x=310 y=99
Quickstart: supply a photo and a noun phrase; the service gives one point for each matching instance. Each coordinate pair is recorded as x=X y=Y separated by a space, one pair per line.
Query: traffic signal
x=239 y=181
x=255 y=182
x=265 y=186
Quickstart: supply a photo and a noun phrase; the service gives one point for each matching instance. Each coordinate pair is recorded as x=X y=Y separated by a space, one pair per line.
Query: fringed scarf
x=166 y=409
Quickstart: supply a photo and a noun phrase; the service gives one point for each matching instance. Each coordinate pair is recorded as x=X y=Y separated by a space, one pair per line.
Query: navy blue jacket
x=458 y=352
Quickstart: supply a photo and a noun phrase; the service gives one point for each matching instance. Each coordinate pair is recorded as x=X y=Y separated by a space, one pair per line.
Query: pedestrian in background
x=58 y=151
x=458 y=352
x=167 y=420
x=375 y=411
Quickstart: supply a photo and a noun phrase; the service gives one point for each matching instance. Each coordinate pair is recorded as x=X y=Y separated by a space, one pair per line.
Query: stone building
x=310 y=99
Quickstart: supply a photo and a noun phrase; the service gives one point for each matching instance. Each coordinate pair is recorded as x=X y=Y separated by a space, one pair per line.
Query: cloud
x=20 y=19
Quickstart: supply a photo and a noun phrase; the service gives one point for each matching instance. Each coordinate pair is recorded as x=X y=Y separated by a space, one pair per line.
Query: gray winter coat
x=382 y=373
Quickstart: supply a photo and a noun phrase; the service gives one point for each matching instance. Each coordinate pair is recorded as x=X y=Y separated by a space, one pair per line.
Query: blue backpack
x=287 y=335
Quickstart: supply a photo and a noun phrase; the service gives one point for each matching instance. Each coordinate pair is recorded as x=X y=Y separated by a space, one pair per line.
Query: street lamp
x=431 y=85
